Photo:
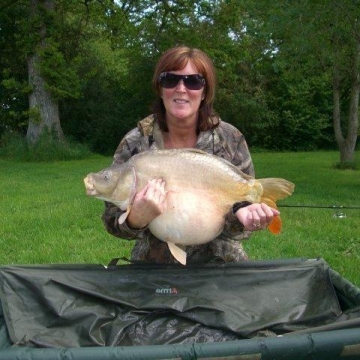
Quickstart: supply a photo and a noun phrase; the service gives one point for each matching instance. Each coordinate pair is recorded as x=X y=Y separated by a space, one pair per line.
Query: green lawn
x=313 y=232
x=46 y=217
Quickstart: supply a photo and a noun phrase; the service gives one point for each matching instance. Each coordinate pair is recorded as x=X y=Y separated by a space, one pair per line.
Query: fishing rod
x=322 y=206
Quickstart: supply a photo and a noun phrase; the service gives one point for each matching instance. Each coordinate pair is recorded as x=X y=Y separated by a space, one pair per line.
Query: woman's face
x=181 y=103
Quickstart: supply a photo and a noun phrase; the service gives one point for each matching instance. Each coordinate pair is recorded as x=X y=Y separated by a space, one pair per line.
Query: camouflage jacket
x=224 y=141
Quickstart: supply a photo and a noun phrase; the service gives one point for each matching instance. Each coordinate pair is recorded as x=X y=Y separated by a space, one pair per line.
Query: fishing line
x=339 y=215
x=322 y=206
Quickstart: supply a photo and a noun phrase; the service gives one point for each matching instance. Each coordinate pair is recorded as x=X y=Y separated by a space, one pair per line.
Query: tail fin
x=275 y=225
x=275 y=189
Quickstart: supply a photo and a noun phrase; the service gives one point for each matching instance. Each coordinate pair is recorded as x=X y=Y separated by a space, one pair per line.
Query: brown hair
x=174 y=59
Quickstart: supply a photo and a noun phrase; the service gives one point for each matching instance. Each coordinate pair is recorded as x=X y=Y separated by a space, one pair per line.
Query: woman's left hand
x=256 y=216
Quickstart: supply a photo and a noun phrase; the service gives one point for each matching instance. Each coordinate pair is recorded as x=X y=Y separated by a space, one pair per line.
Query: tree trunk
x=347 y=144
x=336 y=107
x=44 y=109
x=347 y=153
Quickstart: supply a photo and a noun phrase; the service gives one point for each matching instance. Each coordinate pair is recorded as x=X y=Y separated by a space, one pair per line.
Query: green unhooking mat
x=91 y=305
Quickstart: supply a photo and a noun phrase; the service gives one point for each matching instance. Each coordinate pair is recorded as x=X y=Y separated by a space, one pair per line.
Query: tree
x=13 y=72
x=46 y=38
x=325 y=36
x=90 y=64
x=345 y=41
x=43 y=106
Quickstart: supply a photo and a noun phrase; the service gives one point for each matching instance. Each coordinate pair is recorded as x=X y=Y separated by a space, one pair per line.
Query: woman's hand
x=256 y=216
x=148 y=204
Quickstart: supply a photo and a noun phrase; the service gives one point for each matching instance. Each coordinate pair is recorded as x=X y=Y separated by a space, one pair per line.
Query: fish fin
x=124 y=216
x=190 y=150
x=126 y=205
x=275 y=189
x=178 y=253
x=275 y=225
x=133 y=190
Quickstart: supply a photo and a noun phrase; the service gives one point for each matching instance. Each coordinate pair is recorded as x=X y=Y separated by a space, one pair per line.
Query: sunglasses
x=192 y=82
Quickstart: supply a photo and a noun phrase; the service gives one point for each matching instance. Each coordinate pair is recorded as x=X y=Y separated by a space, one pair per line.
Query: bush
x=15 y=147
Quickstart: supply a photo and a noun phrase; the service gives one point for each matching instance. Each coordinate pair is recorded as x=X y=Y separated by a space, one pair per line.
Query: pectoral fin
x=123 y=217
x=178 y=253
x=126 y=205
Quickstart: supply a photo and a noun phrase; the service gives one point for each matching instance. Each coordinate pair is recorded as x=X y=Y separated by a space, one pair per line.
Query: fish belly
x=190 y=218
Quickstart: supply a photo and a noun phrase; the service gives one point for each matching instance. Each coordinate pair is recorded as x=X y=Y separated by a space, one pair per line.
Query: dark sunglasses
x=192 y=82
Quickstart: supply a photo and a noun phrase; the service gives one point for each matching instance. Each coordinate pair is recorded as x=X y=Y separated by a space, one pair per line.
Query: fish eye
x=107 y=175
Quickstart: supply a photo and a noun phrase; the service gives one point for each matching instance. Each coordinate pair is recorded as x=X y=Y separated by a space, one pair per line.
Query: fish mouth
x=89 y=185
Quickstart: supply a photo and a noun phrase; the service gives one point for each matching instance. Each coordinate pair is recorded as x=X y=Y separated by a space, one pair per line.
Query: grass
x=45 y=216
x=313 y=232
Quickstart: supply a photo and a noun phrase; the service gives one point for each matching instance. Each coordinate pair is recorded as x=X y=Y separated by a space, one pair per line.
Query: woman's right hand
x=148 y=204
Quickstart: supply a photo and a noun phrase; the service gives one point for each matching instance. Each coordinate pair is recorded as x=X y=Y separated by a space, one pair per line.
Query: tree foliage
x=279 y=65
x=320 y=39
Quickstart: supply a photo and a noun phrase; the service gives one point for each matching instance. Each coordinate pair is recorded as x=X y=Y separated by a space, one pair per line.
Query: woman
x=184 y=81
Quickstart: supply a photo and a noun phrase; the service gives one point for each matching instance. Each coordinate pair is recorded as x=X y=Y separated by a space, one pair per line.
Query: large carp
x=201 y=189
